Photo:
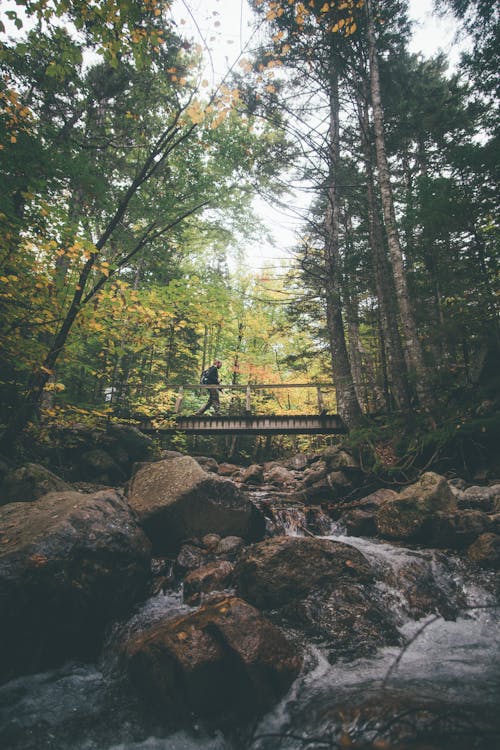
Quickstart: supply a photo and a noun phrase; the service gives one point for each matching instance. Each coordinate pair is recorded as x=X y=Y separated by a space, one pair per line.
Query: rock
x=136 y=444
x=360 y=517
x=215 y=576
x=278 y=475
x=210 y=541
x=98 y=455
x=228 y=470
x=190 y=557
x=374 y=500
x=230 y=546
x=350 y=618
x=317 y=521
x=165 y=455
x=278 y=570
x=495 y=522
x=101 y=466
x=224 y=660
x=480 y=498
x=298 y=462
x=69 y=563
x=253 y=474
x=406 y=516
x=315 y=474
x=458 y=529
x=177 y=500
x=338 y=459
x=28 y=483
x=359 y=522
x=485 y=551
x=207 y=463
x=322 y=587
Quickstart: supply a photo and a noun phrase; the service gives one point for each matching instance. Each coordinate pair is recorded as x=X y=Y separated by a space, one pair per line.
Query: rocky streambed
x=210 y=606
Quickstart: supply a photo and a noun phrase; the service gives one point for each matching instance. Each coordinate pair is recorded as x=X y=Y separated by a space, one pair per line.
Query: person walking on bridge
x=211 y=377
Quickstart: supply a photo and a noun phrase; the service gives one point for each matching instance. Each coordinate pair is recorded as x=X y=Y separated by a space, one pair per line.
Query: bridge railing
x=249 y=388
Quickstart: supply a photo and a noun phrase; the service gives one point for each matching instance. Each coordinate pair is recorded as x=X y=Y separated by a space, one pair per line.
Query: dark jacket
x=213 y=375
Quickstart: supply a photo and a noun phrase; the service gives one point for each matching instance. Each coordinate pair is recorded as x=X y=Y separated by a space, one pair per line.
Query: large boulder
x=321 y=587
x=176 y=500
x=407 y=516
x=69 y=563
x=458 y=529
x=281 y=569
x=222 y=660
x=28 y=483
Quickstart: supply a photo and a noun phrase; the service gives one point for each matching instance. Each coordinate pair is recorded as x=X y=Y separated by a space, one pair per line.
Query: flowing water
x=442 y=685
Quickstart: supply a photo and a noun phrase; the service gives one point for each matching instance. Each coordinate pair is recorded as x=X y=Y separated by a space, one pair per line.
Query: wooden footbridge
x=246 y=422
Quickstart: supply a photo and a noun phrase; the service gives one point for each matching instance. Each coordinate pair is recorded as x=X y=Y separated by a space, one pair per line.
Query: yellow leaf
x=325 y=8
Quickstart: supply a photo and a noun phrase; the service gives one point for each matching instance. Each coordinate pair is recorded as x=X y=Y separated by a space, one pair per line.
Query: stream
x=442 y=686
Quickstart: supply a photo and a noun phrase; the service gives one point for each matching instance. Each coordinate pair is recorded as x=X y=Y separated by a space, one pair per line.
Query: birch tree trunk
x=412 y=346
x=393 y=352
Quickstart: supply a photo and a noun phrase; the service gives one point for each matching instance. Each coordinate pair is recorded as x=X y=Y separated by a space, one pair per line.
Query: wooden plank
x=304 y=424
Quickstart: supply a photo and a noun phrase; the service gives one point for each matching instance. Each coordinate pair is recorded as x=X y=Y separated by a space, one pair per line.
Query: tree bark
x=409 y=330
x=393 y=354
x=347 y=403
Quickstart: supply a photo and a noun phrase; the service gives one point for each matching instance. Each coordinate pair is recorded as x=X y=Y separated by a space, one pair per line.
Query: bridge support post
x=178 y=403
x=247 y=400
x=321 y=403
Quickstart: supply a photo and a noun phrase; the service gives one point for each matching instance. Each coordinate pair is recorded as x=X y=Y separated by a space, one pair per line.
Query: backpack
x=204 y=380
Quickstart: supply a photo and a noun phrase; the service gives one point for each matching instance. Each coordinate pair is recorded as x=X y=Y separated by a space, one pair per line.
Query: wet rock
x=215 y=576
x=28 y=483
x=207 y=463
x=349 y=618
x=225 y=659
x=253 y=474
x=279 y=475
x=317 y=521
x=69 y=563
x=190 y=557
x=485 y=551
x=458 y=529
x=480 y=498
x=360 y=522
x=177 y=500
x=406 y=516
x=276 y=571
x=321 y=587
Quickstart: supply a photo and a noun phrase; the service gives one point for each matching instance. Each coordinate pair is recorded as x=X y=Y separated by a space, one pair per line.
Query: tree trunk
x=409 y=330
x=393 y=355
x=347 y=403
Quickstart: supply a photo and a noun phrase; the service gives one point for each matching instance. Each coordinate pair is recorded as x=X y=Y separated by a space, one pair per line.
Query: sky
x=224 y=29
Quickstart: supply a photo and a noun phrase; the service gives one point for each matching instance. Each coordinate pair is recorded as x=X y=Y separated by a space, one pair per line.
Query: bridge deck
x=234 y=425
